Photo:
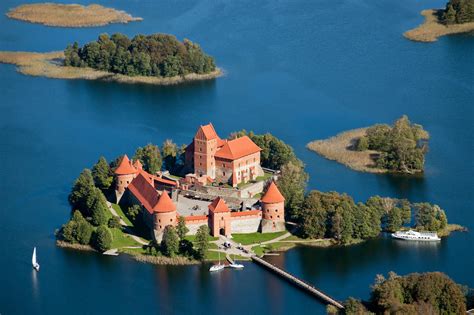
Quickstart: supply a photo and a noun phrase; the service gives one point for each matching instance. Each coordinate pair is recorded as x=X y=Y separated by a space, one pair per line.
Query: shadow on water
x=411 y=187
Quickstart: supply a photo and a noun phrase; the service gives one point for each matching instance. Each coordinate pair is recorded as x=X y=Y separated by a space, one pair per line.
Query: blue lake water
x=301 y=70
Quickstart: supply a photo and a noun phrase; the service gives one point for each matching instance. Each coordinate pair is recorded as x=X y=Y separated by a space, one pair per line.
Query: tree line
x=425 y=293
x=159 y=55
x=459 y=11
x=402 y=146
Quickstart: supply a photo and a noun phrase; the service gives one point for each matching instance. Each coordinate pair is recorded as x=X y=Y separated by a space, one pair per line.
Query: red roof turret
x=273 y=195
x=125 y=167
x=218 y=205
x=164 y=204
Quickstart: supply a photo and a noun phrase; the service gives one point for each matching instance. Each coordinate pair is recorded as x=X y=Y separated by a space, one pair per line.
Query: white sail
x=33 y=259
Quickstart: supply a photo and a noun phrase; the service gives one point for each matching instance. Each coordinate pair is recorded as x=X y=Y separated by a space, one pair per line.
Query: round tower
x=124 y=174
x=164 y=214
x=273 y=210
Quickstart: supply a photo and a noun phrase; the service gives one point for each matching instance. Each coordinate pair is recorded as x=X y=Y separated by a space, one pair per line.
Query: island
x=399 y=148
x=415 y=293
x=181 y=204
x=457 y=17
x=158 y=59
x=69 y=15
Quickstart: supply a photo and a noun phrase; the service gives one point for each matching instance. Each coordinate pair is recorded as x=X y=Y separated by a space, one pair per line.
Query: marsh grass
x=69 y=15
x=432 y=28
x=51 y=65
x=340 y=148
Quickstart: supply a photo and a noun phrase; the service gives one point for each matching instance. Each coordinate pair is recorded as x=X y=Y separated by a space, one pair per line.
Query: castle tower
x=273 y=208
x=205 y=147
x=124 y=174
x=219 y=217
x=164 y=214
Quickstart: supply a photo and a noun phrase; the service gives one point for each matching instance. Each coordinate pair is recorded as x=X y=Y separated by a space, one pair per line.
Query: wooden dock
x=298 y=282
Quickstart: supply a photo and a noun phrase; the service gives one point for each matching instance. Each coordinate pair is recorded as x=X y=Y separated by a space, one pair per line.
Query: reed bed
x=69 y=15
x=340 y=148
x=432 y=28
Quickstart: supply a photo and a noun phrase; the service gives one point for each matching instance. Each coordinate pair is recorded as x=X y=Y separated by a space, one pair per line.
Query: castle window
x=200 y=164
x=278 y=216
x=276 y=210
x=159 y=220
x=271 y=217
x=223 y=173
x=128 y=182
x=222 y=218
x=268 y=210
x=171 y=220
x=160 y=226
x=200 y=149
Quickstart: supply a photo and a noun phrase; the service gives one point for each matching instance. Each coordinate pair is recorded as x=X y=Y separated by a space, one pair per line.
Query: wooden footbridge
x=298 y=282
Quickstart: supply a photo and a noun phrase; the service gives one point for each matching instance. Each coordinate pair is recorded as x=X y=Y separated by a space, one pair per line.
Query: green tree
x=114 y=223
x=292 y=184
x=394 y=220
x=150 y=157
x=429 y=217
x=99 y=208
x=133 y=211
x=169 y=152
x=314 y=216
x=354 y=307
x=82 y=230
x=362 y=143
x=102 y=238
x=102 y=174
x=182 y=229
x=80 y=196
x=68 y=232
x=170 y=241
x=202 y=241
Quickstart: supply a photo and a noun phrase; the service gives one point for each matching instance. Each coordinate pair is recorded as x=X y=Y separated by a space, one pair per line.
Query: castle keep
x=213 y=160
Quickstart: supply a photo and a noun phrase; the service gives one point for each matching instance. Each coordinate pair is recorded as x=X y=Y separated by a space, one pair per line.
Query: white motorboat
x=411 y=235
x=217 y=267
x=235 y=265
x=35 y=264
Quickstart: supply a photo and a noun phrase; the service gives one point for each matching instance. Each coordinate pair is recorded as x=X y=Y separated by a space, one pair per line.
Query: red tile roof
x=164 y=204
x=144 y=191
x=195 y=217
x=237 y=148
x=165 y=181
x=245 y=213
x=272 y=195
x=138 y=165
x=125 y=167
x=207 y=132
x=218 y=205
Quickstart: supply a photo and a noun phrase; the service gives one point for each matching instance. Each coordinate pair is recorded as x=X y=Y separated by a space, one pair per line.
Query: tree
x=114 y=223
x=394 y=220
x=102 y=238
x=170 y=241
x=99 y=208
x=429 y=217
x=314 y=216
x=292 y=184
x=181 y=229
x=102 y=174
x=354 y=307
x=68 y=232
x=202 y=241
x=80 y=196
x=133 y=211
x=362 y=143
x=82 y=230
x=150 y=158
x=169 y=151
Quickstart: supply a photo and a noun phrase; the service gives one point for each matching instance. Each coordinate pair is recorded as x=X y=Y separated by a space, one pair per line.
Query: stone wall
x=245 y=223
x=193 y=225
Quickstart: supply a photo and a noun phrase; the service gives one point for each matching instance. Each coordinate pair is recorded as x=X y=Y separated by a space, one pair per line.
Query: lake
x=301 y=70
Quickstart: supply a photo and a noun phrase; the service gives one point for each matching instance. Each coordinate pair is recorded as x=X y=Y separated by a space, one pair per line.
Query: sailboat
x=217 y=267
x=35 y=264
x=236 y=265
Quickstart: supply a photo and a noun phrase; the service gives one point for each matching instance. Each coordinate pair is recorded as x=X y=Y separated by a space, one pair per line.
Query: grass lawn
x=121 y=239
x=134 y=251
x=252 y=238
x=265 y=176
x=192 y=238
x=121 y=214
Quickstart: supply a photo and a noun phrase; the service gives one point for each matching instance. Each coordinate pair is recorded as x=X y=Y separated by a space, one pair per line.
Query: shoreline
x=431 y=28
x=50 y=65
x=79 y=247
x=69 y=15
x=337 y=148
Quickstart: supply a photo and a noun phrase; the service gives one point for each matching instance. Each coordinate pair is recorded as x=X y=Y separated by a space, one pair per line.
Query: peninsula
x=114 y=59
x=379 y=149
x=69 y=15
x=179 y=205
x=457 y=17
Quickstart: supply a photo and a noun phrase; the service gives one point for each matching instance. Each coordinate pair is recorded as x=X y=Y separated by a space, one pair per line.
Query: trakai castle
x=222 y=191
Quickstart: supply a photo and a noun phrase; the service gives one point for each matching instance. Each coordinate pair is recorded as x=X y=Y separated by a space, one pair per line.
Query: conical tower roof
x=125 y=167
x=164 y=204
x=218 y=205
x=273 y=195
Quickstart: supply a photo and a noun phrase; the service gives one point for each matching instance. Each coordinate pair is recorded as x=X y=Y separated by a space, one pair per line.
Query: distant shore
x=432 y=28
x=69 y=15
x=50 y=65
x=340 y=148
x=81 y=247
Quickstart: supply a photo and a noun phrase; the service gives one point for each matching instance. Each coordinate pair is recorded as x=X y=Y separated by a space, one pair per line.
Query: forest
x=159 y=55
x=459 y=11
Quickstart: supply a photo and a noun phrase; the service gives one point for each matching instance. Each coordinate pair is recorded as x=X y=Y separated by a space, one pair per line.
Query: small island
x=69 y=15
x=158 y=59
x=400 y=148
x=457 y=17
